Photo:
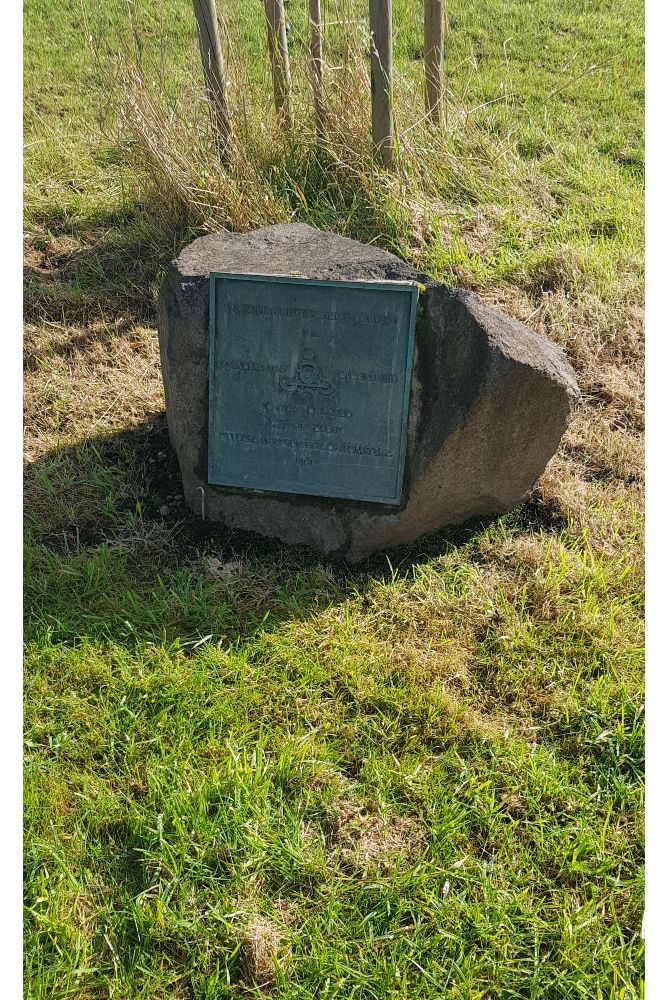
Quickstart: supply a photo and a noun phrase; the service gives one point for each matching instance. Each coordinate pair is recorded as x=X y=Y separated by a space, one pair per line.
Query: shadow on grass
x=112 y=550
x=83 y=266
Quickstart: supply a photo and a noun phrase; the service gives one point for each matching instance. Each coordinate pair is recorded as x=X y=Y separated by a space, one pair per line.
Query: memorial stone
x=324 y=392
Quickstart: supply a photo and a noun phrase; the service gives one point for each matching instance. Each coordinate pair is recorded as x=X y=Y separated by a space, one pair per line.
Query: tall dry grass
x=279 y=174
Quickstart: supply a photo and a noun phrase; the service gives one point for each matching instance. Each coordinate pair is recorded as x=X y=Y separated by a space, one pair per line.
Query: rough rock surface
x=489 y=404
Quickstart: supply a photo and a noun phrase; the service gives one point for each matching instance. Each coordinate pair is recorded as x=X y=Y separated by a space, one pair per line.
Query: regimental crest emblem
x=307 y=375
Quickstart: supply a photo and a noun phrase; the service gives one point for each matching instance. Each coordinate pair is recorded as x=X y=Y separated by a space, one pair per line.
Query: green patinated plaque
x=309 y=385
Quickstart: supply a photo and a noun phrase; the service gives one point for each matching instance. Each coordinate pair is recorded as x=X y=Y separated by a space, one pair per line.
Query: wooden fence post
x=279 y=56
x=434 y=22
x=381 y=80
x=214 y=75
x=316 y=63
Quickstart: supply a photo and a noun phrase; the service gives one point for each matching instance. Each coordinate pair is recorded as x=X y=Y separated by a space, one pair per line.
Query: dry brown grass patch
x=366 y=839
x=512 y=300
x=514 y=803
x=83 y=382
x=596 y=330
x=607 y=512
x=44 y=255
x=604 y=450
x=260 y=946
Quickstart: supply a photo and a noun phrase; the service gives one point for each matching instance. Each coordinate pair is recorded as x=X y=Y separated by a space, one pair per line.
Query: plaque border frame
x=403 y=287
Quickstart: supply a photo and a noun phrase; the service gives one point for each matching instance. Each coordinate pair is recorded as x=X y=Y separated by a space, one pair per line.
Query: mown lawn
x=253 y=771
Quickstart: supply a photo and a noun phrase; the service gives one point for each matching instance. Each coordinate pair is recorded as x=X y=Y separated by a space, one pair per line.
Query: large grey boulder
x=489 y=404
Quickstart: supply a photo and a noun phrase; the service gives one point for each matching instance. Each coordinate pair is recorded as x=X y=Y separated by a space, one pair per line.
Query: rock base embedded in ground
x=489 y=404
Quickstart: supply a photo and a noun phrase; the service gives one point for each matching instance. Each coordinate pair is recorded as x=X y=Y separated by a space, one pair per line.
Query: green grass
x=177 y=787
x=250 y=770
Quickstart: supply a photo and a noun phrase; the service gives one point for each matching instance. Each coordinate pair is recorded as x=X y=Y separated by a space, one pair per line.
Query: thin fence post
x=316 y=63
x=381 y=80
x=214 y=75
x=434 y=25
x=279 y=56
